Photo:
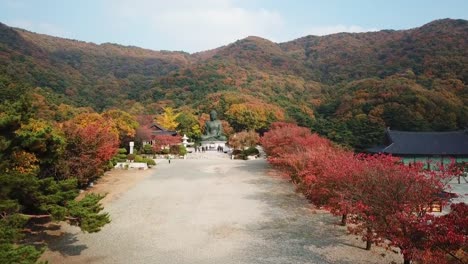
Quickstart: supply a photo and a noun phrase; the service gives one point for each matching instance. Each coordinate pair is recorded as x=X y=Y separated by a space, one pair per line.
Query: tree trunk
x=369 y=239
x=368 y=245
x=343 y=219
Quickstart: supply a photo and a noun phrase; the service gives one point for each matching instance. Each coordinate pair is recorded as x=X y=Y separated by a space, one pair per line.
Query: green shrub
x=139 y=158
x=165 y=151
x=110 y=165
x=122 y=151
x=251 y=151
x=182 y=150
x=121 y=156
x=148 y=149
x=150 y=162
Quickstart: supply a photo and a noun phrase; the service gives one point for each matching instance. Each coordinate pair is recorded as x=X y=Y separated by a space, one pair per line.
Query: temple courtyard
x=210 y=209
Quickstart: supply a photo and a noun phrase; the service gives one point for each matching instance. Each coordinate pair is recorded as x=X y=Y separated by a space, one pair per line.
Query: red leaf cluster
x=385 y=200
x=90 y=147
x=162 y=141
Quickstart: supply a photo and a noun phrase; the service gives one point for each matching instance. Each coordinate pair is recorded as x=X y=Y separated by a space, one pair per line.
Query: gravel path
x=213 y=211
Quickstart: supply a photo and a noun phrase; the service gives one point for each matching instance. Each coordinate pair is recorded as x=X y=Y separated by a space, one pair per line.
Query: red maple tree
x=387 y=202
x=165 y=141
x=89 y=148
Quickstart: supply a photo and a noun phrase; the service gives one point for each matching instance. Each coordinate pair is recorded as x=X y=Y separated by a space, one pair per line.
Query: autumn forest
x=66 y=104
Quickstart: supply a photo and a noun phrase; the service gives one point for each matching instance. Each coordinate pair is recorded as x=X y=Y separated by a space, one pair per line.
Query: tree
x=90 y=146
x=243 y=140
x=143 y=132
x=402 y=197
x=125 y=123
x=188 y=125
x=41 y=139
x=227 y=128
x=168 y=119
x=386 y=201
x=165 y=141
x=24 y=197
x=253 y=116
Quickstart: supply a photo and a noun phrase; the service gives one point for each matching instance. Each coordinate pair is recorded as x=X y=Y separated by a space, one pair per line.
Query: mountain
x=87 y=72
x=338 y=84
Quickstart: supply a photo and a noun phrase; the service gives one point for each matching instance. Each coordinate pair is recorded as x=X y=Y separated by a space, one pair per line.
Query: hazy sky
x=205 y=24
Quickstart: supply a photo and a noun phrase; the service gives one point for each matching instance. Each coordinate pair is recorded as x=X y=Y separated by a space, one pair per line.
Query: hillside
x=343 y=85
x=95 y=75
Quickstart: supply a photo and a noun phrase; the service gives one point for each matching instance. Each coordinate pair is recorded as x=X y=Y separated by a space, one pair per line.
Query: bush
x=148 y=149
x=110 y=165
x=182 y=150
x=131 y=156
x=139 y=158
x=251 y=151
x=164 y=151
x=121 y=156
x=150 y=162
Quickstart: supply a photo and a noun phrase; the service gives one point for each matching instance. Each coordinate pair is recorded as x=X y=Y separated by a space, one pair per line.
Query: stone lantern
x=184 y=140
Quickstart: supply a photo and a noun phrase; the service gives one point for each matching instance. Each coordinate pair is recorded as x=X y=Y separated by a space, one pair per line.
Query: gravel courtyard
x=213 y=211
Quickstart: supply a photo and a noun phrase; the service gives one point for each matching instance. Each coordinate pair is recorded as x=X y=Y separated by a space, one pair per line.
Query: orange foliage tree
x=253 y=115
x=125 y=123
x=244 y=139
x=91 y=142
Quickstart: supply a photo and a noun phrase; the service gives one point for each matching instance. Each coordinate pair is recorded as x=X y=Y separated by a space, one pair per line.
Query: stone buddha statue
x=213 y=129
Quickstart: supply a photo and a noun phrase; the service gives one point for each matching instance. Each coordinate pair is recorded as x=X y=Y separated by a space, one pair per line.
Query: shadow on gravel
x=291 y=225
x=65 y=245
x=41 y=233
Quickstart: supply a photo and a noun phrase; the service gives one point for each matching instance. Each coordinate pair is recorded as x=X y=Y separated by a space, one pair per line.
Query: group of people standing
x=203 y=149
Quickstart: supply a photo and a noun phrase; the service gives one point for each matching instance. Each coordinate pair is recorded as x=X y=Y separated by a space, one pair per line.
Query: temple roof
x=425 y=143
x=160 y=130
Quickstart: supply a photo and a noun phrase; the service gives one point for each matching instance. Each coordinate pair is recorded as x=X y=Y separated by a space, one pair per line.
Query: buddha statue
x=213 y=129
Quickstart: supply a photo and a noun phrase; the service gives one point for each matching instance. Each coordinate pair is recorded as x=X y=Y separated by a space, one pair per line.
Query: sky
x=197 y=25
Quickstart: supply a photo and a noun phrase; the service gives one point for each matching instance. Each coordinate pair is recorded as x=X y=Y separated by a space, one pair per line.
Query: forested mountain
x=347 y=86
x=85 y=72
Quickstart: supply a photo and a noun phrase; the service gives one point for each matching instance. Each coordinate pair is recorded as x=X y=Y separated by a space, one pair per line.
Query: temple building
x=157 y=130
x=426 y=147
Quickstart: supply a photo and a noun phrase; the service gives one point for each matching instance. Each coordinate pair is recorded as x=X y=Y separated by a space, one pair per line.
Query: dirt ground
x=116 y=182
x=209 y=212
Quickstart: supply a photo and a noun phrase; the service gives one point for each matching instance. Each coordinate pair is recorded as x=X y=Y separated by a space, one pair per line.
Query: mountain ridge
x=338 y=77
x=431 y=23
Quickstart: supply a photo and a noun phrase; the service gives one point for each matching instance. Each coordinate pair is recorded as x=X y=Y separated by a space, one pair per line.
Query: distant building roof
x=424 y=143
x=160 y=130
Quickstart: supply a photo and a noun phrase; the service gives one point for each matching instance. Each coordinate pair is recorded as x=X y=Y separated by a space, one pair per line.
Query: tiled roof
x=160 y=130
x=425 y=143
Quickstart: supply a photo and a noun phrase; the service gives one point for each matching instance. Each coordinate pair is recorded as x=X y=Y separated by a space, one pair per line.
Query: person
x=213 y=129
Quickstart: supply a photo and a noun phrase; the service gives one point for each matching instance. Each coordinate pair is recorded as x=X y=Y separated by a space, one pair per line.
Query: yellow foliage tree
x=24 y=162
x=85 y=119
x=168 y=119
x=253 y=116
x=125 y=123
